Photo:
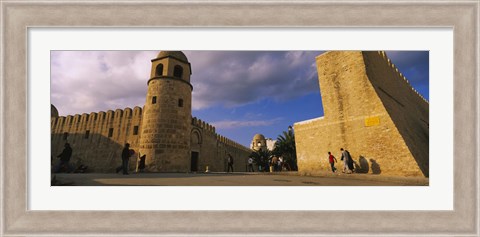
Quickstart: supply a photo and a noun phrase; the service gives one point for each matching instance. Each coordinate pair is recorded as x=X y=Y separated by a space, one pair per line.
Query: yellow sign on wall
x=372 y=121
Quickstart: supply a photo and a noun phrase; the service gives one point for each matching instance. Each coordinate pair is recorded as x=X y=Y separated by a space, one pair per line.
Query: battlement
x=400 y=76
x=203 y=125
x=166 y=133
x=230 y=142
x=211 y=129
x=77 y=122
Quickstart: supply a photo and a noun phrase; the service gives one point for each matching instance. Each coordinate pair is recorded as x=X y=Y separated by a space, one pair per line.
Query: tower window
x=87 y=133
x=178 y=71
x=110 y=132
x=154 y=100
x=159 y=70
x=135 y=130
x=180 y=102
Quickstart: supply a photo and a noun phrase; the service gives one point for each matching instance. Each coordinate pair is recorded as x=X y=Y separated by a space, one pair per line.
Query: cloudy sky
x=241 y=93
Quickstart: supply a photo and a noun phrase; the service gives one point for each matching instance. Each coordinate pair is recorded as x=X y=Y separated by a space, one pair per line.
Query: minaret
x=166 y=121
x=259 y=143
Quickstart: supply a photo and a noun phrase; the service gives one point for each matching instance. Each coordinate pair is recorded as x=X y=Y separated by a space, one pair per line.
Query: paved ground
x=235 y=179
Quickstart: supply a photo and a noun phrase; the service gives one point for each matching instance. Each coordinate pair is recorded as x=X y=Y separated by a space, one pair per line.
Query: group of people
x=64 y=163
x=348 y=166
x=126 y=154
x=276 y=164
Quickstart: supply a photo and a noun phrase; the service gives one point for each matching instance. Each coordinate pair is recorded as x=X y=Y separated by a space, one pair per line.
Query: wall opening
x=180 y=102
x=159 y=70
x=110 y=132
x=154 y=100
x=135 y=130
x=194 y=161
x=87 y=134
x=178 y=71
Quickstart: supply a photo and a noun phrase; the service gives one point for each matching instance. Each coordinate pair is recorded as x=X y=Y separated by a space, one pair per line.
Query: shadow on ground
x=233 y=179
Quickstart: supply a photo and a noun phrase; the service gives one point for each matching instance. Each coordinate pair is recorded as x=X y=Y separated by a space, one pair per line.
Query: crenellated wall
x=213 y=148
x=163 y=130
x=109 y=131
x=408 y=110
x=371 y=110
x=97 y=139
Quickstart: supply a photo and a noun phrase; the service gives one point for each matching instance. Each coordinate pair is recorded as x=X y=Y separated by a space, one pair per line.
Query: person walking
x=229 y=162
x=347 y=159
x=250 y=164
x=141 y=164
x=280 y=164
x=65 y=156
x=274 y=163
x=332 y=160
x=126 y=153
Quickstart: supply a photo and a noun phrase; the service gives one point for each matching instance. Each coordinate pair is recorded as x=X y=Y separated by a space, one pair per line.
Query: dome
x=258 y=137
x=174 y=54
x=54 y=111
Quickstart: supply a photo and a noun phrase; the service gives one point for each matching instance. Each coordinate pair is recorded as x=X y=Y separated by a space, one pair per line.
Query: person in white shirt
x=229 y=162
x=280 y=163
x=250 y=165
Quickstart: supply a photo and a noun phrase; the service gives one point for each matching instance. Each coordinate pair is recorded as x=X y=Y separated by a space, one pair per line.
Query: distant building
x=260 y=142
x=270 y=144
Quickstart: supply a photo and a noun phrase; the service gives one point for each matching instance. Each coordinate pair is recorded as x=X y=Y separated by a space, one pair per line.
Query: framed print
x=31 y=30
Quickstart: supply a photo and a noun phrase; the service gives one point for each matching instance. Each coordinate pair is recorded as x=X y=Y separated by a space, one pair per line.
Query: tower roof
x=54 y=111
x=258 y=137
x=174 y=54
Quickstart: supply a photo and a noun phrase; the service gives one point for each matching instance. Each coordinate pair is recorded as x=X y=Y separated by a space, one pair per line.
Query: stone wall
x=213 y=148
x=102 y=153
x=97 y=139
x=165 y=132
x=370 y=110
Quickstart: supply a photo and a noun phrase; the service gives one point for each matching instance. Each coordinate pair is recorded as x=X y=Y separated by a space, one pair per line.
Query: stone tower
x=166 y=126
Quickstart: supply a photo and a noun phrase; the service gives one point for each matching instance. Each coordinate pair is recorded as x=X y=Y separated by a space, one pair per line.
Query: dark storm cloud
x=91 y=81
x=234 y=78
x=86 y=81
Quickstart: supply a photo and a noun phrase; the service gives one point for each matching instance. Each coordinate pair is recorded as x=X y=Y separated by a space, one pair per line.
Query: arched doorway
x=195 y=146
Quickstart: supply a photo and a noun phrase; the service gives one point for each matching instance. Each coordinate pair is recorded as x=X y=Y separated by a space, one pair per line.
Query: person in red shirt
x=332 y=160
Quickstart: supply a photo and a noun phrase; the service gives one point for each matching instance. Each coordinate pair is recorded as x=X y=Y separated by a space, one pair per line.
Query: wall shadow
x=362 y=165
x=398 y=98
x=375 y=167
x=98 y=152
